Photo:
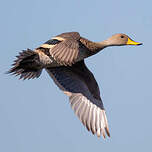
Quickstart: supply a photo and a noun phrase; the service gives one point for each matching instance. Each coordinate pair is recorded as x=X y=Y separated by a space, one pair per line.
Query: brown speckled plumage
x=92 y=46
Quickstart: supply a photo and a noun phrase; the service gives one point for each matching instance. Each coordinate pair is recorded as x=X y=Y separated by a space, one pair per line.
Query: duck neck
x=94 y=47
x=101 y=45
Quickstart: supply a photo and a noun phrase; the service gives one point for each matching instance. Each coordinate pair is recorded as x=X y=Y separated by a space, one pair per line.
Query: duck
x=63 y=58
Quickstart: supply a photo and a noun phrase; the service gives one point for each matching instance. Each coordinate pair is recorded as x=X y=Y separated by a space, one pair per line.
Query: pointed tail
x=26 y=65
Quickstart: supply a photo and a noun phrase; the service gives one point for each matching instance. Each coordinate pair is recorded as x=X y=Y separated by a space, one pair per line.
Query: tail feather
x=26 y=65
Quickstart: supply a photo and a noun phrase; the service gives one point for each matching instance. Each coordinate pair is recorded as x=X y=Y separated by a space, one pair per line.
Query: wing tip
x=107 y=131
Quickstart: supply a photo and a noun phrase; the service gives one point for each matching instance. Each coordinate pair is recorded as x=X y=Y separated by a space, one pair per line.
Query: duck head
x=120 y=40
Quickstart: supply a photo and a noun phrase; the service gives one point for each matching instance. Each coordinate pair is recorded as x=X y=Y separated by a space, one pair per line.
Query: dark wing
x=64 y=48
x=80 y=85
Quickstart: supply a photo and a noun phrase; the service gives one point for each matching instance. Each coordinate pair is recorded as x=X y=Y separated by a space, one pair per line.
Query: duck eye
x=122 y=36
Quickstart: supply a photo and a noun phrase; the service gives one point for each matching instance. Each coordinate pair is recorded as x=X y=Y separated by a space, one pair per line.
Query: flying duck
x=63 y=58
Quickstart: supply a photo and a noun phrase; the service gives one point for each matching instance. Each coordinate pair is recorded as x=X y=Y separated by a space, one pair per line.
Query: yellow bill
x=131 y=42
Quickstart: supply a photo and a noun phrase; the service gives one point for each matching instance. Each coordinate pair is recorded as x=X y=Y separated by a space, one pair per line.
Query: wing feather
x=66 y=52
x=84 y=96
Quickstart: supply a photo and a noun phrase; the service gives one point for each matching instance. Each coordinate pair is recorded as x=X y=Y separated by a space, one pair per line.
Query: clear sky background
x=35 y=115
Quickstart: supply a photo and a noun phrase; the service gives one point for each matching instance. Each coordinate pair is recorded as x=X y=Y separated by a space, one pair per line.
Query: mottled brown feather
x=61 y=51
x=92 y=46
x=70 y=35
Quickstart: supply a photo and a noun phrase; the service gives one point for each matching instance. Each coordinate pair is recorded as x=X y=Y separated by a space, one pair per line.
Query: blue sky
x=35 y=115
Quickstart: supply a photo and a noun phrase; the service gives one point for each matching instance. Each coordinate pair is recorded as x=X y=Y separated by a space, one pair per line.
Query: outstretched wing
x=64 y=48
x=80 y=85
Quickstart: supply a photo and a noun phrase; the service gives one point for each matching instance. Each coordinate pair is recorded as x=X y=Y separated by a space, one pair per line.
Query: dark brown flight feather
x=26 y=65
x=83 y=91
